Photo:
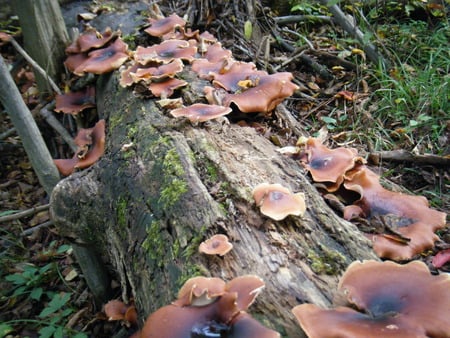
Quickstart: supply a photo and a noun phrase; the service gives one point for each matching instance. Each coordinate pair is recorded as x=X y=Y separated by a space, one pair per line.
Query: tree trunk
x=148 y=205
x=45 y=37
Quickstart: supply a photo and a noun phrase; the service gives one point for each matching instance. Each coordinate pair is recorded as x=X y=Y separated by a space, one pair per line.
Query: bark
x=45 y=37
x=148 y=205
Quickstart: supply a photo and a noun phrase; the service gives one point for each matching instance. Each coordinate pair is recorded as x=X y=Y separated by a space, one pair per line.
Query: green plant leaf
x=328 y=120
x=36 y=293
x=16 y=279
x=57 y=302
x=80 y=335
x=5 y=329
x=46 y=331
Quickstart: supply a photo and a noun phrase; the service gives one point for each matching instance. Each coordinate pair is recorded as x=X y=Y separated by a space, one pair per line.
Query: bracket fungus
x=91 y=144
x=165 y=52
x=222 y=314
x=161 y=26
x=328 y=165
x=200 y=112
x=411 y=216
x=216 y=245
x=383 y=299
x=75 y=102
x=278 y=202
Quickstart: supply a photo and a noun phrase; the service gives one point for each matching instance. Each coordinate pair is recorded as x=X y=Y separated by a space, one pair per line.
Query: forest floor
x=360 y=105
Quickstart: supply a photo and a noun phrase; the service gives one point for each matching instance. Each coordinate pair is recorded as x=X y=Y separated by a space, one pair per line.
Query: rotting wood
x=147 y=207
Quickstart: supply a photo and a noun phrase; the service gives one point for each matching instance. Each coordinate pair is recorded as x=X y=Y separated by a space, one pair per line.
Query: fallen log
x=164 y=185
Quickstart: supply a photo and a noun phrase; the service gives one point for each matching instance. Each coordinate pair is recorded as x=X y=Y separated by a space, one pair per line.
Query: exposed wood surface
x=122 y=206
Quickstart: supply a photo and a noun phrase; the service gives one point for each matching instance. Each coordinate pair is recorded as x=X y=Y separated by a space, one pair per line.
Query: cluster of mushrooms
x=211 y=307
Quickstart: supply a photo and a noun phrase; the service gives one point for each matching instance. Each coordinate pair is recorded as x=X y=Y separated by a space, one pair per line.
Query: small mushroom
x=201 y=112
x=216 y=245
x=383 y=299
x=162 y=26
x=85 y=156
x=166 y=88
x=200 y=291
x=277 y=202
x=75 y=102
x=91 y=39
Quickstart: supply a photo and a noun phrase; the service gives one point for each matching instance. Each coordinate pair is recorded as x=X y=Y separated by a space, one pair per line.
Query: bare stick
x=24 y=213
x=34 y=64
x=53 y=121
x=29 y=231
x=353 y=30
x=406 y=156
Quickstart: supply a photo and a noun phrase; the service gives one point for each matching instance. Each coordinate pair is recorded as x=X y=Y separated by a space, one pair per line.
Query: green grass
x=413 y=97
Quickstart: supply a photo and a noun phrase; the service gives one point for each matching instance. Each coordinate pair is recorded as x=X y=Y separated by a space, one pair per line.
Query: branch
x=353 y=30
x=34 y=64
x=24 y=213
x=406 y=156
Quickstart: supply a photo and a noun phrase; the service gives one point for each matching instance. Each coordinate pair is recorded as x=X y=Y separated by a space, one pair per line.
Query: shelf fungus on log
x=383 y=299
x=207 y=306
x=278 y=202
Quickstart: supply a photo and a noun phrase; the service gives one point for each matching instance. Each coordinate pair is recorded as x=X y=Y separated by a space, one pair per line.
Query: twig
x=406 y=156
x=299 y=18
x=7 y=133
x=53 y=121
x=29 y=231
x=34 y=64
x=24 y=213
x=353 y=30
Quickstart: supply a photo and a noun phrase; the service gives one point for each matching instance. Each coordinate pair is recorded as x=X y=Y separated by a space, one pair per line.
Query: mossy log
x=164 y=185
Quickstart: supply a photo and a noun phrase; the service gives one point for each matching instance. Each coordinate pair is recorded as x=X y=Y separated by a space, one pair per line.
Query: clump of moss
x=326 y=261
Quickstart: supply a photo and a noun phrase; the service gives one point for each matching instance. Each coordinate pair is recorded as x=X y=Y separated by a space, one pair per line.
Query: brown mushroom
x=263 y=94
x=408 y=215
x=168 y=70
x=328 y=165
x=278 y=202
x=201 y=112
x=85 y=156
x=91 y=39
x=200 y=291
x=104 y=60
x=166 y=88
x=162 y=26
x=224 y=315
x=75 y=102
x=390 y=300
x=165 y=52
x=216 y=245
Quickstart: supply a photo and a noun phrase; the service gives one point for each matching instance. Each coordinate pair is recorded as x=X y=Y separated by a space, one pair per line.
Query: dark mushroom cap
x=200 y=112
x=75 y=102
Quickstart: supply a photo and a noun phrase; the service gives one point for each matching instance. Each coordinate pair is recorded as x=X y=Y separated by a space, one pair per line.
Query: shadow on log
x=146 y=207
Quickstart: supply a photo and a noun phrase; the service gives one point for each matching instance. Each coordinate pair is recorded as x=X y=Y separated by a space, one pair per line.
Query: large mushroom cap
x=387 y=300
x=75 y=102
x=277 y=202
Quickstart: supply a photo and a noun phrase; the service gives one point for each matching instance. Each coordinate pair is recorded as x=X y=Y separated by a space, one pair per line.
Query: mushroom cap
x=265 y=93
x=329 y=165
x=248 y=287
x=410 y=215
x=201 y=112
x=104 y=60
x=162 y=26
x=245 y=326
x=216 y=245
x=91 y=39
x=75 y=102
x=391 y=300
x=82 y=158
x=165 y=52
x=200 y=291
x=391 y=289
x=165 y=88
x=238 y=71
x=345 y=322
x=168 y=70
x=277 y=202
